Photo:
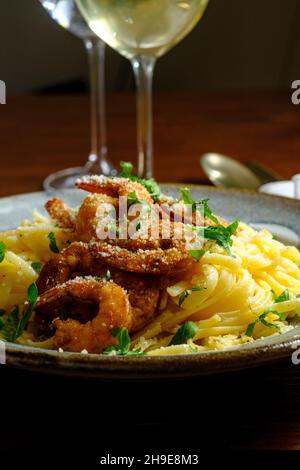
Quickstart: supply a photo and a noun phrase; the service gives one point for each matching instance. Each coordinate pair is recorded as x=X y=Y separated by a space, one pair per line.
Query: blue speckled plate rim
x=208 y=362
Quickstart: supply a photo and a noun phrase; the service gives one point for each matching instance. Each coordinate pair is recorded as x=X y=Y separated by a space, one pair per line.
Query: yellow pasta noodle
x=232 y=292
x=25 y=245
x=222 y=295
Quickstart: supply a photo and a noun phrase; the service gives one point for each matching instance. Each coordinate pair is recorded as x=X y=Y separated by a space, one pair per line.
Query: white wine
x=142 y=27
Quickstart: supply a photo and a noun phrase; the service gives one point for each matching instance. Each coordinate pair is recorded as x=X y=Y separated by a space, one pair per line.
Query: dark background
x=238 y=44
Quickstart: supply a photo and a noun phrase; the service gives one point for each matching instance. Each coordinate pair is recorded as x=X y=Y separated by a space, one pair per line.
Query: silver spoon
x=227 y=172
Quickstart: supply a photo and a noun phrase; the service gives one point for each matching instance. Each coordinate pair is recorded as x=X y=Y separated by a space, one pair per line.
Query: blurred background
x=237 y=45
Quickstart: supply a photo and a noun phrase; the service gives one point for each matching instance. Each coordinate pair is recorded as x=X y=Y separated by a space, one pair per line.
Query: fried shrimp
x=60 y=212
x=94 y=209
x=108 y=303
x=79 y=259
x=171 y=256
x=114 y=187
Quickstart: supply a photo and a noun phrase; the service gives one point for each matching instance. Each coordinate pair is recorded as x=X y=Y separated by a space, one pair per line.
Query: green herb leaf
x=14 y=326
x=186 y=197
x=2 y=251
x=182 y=297
x=188 y=200
x=10 y=326
x=187 y=292
x=152 y=187
x=197 y=254
x=108 y=275
x=37 y=267
x=261 y=319
x=220 y=234
x=53 y=244
x=32 y=294
x=127 y=169
x=187 y=331
x=150 y=184
x=208 y=213
x=123 y=346
x=283 y=297
x=132 y=199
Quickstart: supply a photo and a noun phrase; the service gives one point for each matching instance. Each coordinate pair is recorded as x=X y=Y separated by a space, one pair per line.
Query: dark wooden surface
x=252 y=409
x=39 y=135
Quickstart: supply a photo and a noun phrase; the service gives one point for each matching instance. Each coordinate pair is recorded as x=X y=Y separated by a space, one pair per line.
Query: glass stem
x=143 y=67
x=96 y=54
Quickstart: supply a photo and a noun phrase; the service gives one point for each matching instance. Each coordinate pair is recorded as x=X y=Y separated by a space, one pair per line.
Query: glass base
x=66 y=179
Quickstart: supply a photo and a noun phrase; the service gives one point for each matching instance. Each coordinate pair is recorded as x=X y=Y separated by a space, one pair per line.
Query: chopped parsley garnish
x=10 y=326
x=220 y=234
x=187 y=331
x=262 y=319
x=132 y=199
x=123 y=346
x=2 y=251
x=186 y=197
x=197 y=254
x=196 y=205
x=37 y=267
x=108 y=275
x=53 y=244
x=32 y=294
x=150 y=184
x=283 y=297
x=217 y=233
x=187 y=292
x=127 y=169
x=14 y=325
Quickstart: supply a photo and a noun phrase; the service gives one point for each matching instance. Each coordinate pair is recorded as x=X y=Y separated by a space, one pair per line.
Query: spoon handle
x=263 y=173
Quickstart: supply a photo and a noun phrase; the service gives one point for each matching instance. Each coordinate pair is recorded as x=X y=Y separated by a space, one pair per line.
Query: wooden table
x=41 y=134
x=252 y=409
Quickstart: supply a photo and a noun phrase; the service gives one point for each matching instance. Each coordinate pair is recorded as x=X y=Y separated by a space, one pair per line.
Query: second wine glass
x=142 y=31
x=66 y=13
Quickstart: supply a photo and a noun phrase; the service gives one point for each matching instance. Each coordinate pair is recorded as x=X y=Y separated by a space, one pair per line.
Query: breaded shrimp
x=88 y=217
x=60 y=212
x=79 y=259
x=172 y=256
x=113 y=187
x=112 y=310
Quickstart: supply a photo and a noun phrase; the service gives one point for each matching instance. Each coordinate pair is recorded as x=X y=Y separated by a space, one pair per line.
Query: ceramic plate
x=280 y=215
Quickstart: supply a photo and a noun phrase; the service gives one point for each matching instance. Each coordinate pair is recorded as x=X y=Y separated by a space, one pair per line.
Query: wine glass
x=66 y=13
x=142 y=31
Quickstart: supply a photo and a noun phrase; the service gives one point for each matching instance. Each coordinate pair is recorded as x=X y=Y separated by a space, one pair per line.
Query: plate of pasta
x=123 y=277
